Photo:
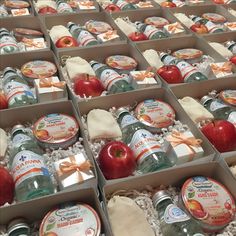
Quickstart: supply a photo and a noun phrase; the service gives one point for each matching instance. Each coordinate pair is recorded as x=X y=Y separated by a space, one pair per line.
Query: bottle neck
x=161 y=206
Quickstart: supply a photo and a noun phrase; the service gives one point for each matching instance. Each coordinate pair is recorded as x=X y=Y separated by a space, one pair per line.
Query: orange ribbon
x=176 y=138
x=225 y=68
x=69 y=167
x=86 y=3
x=47 y=83
x=145 y=4
x=231 y=24
x=31 y=43
x=174 y=27
x=109 y=34
x=142 y=75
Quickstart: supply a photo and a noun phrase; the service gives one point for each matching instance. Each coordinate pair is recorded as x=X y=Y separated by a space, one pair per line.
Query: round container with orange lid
x=191 y=55
x=214 y=17
x=158 y=22
x=228 y=96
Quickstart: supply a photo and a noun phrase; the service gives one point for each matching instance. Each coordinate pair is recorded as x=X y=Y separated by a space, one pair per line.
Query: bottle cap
x=16 y=128
x=7 y=69
x=160 y=196
x=205 y=99
x=16 y=224
x=228 y=44
x=120 y=110
x=70 y=24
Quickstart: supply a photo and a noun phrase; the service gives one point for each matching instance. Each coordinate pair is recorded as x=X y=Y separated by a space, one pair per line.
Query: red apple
x=6 y=186
x=219 y=1
x=3 y=101
x=86 y=85
x=171 y=74
x=112 y=8
x=233 y=60
x=47 y=10
x=168 y=4
x=66 y=42
x=222 y=134
x=116 y=160
x=199 y=28
x=137 y=36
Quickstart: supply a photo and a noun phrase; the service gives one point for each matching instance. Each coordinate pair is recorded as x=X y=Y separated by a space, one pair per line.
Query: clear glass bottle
x=124 y=5
x=83 y=37
x=8 y=43
x=18 y=227
x=16 y=88
x=150 y=31
x=219 y=109
x=212 y=27
x=231 y=45
x=148 y=152
x=29 y=171
x=111 y=80
x=188 y=72
x=63 y=7
x=174 y=221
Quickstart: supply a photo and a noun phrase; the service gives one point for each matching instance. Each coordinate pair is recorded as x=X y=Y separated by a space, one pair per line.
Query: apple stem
x=118 y=153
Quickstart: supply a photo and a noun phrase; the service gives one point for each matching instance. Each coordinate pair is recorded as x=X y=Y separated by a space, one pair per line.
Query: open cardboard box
x=198 y=90
x=187 y=3
x=101 y=53
x=131 y=98
x=174 y=44
x=81 y=19
x=133 y=16
x=18 y=61
x=174 y=177
x=36 y=209
x=29 y=22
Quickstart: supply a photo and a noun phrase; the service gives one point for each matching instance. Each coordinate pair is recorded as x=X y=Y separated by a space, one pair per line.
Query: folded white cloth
x=184 y=19
x=225 y=52
x=125 y=27
x=101 y=124
x=3 y=143
x=58 y=31
x=195 y=110
x=127 y=218
x=76 y=66
x=152 y=58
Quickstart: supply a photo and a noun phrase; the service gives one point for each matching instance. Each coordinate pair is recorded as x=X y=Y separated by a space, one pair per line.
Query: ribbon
x=20 y=12
x=225 y=68
x=109 y=34
x=176 y=138
x=231 y=24
x=48 y=82
x=145 y=4
x=70 y=167
x=31 y=43
x=174 y=27
x=86 y=3
x=142 y=75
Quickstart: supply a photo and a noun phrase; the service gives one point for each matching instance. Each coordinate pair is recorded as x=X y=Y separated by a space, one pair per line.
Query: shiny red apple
x=87 y=85
x=66 y=42
x=168 y=4
x=47 y=10
x=222 y=134
x=233 y=60
x=3 y=101
x=199 y=28
x=6 y=186
x=171 y=74
x=112 y=8
x=137 y=36
x=116 y=160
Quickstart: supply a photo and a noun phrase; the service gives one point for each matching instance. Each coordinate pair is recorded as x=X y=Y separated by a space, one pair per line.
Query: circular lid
x=208 y=200
x=79 y=219
x=18 y=223
x=158 y=22
x=25 y=31
x=187 y=53
x=16 y=4
x=97 y=27
x=16 y=128
x=38 y=69
x=120 y=110
x=155 y=113
x=214 y=17
x=205 y=98
x=7 y=69
x=55 y=128
x=159 y=196
x=229 y=96
x=121 y=62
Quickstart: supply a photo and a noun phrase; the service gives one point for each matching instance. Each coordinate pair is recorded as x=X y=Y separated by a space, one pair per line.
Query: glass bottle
x=63 y=7
x=188 y=72
x=111 y=80
x=8 y=43
x=18 y=227
x=16 y=88
x=148 y=152
x=124 y=5
x=231 y=45
x=219 y=109
x=3 y=11
x=150 y=31
x=83 y=37
x=173 y=220
x=212 y=28
x=29 y=171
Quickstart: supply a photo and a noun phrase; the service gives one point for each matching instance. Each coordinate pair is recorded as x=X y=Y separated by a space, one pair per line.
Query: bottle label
x=27 y=164
x=8 y=44
x=186 y=69
x=127 y=120
x=174 y=214
x=232 y=118
x=64 y=7
x=150 y=31
x=216 y=105
x=109 y=77
x=143 y=144
x=178 y=3
x=197 y=19
x=15 y=89
x=211 y=26
x=122 y=4
x=169 y=60
x=19 y=139
x=84 y=38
